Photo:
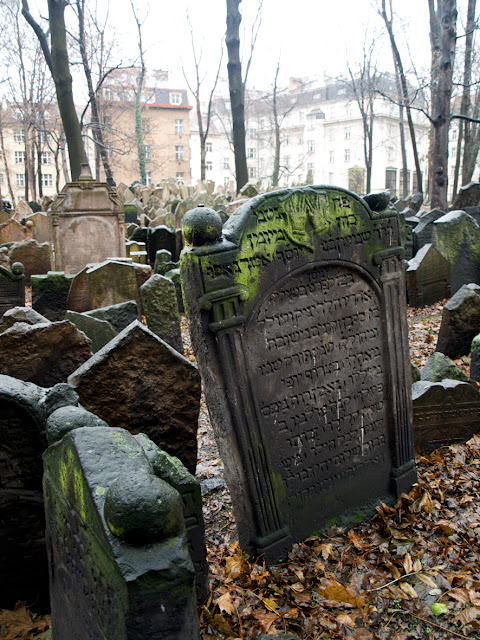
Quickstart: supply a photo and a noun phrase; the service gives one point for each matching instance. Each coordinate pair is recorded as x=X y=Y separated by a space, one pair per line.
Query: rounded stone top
x=18 y=268
x=202 y=225
x=29 y=224
x=65 y=419
x=377 y=201
x=141 y=508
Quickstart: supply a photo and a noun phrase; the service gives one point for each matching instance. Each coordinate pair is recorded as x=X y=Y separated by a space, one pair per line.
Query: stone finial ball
x=64 y=419
x=141 y=508
x=201 y=226
x=29 y=224
x=18 y=268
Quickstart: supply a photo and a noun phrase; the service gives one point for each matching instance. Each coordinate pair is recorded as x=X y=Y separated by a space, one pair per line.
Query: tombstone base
x=404 y=477
x=275 y=545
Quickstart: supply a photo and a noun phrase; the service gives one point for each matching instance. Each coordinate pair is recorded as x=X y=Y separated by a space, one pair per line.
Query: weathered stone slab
x=423 y=233
x=439 y=368
x=24 y=408
x=428 y=277
x=118 y=315
x=11 y=231
x=99 y=331
x=457 y=237
x=86 y=224
x=118 y=555
x=22 y=210
x=12 y=287
x=20 y=314
x=161 y=237
x=34 y=256
x=110 y=283
x=298 y=321
x=170 y=469
x=139 y=383
x=174 y=275
x=43 y=353
x=50 y=294
x=40 y=228
x=467 y=196
x=444 y=413
x=159 y=300
x=460 y=322
x=475 y=359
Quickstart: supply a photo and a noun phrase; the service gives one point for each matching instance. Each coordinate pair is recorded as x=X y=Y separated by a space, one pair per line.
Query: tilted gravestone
x=298 y=321
x=34 y=256
x=457 y=237
x=159 y=300
x=444 y=413
x=11 y=231
x=424 y=231
x=140 y=383
x=118 y=315
x=99 y=331
x=158 y=238
x=24 y=409
x=118 y=556
x=50 y=294
x=460 y=322
x=12 y=287
x=428 y=277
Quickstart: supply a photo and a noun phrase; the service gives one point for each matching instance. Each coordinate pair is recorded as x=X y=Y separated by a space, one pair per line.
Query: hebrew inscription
x=319 y=381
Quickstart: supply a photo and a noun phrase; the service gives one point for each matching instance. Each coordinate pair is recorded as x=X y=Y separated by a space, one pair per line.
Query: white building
x=321 y=140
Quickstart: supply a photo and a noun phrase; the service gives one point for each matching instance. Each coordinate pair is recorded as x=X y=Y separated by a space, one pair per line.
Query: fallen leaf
x=225 y=603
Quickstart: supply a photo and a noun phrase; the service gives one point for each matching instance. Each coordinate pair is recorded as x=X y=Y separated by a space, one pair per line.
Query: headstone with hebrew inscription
x=12 y=287
x=298 y=320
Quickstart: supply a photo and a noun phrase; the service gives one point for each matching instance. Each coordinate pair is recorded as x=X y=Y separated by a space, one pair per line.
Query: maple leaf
x=225 y=603
x=335 y=591
x=19 y=622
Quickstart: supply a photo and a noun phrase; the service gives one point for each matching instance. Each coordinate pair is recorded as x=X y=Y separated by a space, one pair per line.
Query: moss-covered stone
x=439 y=368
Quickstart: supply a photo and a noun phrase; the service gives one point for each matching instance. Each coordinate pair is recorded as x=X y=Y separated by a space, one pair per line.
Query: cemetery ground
x=410 y=572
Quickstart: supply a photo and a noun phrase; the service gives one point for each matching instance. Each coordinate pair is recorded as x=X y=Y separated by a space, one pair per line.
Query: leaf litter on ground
x=413 y=571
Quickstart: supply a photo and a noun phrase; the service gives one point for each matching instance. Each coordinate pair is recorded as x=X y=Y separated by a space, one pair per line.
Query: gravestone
x=86 y=224
x=444 y=413
x=99 y=331
x=34 y=256
x=12 y=287
x=118 y=315
x=460 y=322
x=438 y=367
x=467 y=196
x=40 y=230
x=24 y=408
x=139 y=383
x=20 y=314
x=475 y=359
x=423 y=233
x=50 y=294
x=11 y=231
x=43 y=353
x=118 y=555
x=428 y=277
x=457 y=237
x=159 y=300
x=22 y=210
x=161 y=237
x=298 y=321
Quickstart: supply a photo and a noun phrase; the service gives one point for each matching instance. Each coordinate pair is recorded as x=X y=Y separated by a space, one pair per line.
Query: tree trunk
x=446 y=18
x=7 y=170
x=63 y=86
x=100 y=147
x=276 y=125
x=237 y=91
x=465 y=107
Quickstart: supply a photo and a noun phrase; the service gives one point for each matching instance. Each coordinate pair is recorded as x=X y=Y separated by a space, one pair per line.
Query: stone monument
x=86 y=224
x=298 y=321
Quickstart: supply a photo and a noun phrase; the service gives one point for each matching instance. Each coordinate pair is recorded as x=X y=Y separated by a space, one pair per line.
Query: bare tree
x=443 y=32
x=388 y=20
x=56 y=57
x=203 y=121
x=237 y=83
x=138 y=98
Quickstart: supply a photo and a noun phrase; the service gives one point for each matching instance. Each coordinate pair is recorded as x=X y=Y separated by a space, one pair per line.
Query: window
x=391 y=180
x=226 y=182
x=454 y=134
x=148 y=176
x=46 y=157
x=310 y=166
x=19 y=135
x=252 y=133
x=300 y=140
x=179 y=174
x=401 y=181
x=348 y=133
x=226 y=163
x=261 y=123
x=286 y=161
x=179 y=126
x=330 y=178
x=389 y=153
x=252 y=172
x=47 y=180
x=1 y=178
x=179 y=152
x=209 y=166
x=347 y=155
x=148 y=151
x=44 y=137
x=175 y=98
x=390 y=130
x=261 y=144
x=331 y=134
x=287 y=140
x=414 y=182
x=262 y=163
x=20 y=179
x=251 y=152
x=332 y=156
x=311 y=145
x=19 y=157
x=208 y=147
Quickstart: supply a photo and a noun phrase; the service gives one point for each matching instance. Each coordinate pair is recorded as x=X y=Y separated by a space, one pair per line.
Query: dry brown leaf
x=334 y=590
x=408 y=589
x=466 y=616
x=407 y=563
x=19 y=623
x=346 y=620
x=298 y=587
x=266 y=619
x=423 y=577
x=225 y=603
